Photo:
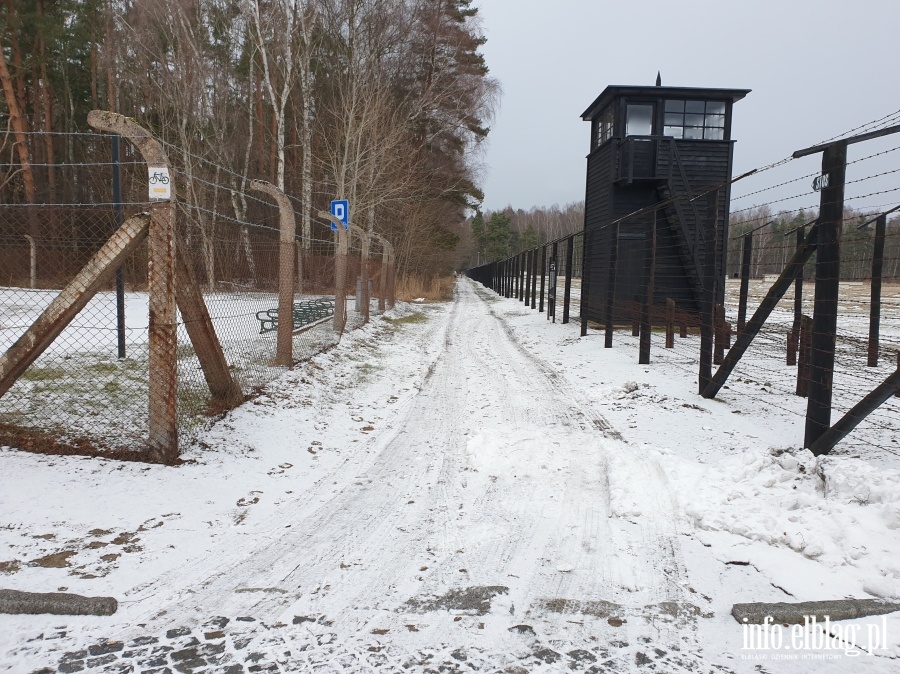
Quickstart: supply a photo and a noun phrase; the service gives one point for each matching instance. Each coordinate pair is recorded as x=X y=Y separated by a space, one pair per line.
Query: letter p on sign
x=340 y=208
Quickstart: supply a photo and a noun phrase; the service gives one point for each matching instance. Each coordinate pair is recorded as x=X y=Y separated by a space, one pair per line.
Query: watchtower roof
x=617 y=91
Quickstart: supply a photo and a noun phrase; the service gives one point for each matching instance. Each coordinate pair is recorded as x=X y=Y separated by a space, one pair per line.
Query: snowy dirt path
x=495 y=520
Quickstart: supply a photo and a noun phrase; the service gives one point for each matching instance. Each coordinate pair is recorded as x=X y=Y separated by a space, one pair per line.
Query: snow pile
x=858 y=481
x=638 y=486
x=837 y=511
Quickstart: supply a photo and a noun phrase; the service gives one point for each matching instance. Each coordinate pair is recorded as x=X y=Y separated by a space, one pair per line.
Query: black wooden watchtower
x=651 y=146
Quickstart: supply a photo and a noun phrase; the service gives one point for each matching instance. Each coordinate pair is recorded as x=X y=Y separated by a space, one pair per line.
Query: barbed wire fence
x=773 y=367
x=87 y=390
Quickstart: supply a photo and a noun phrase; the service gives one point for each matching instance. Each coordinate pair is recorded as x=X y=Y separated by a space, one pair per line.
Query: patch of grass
x=104 y=368
x=57 y=560
x=10 y=567
x=186 y=351
x=439 y=289
x=44 y=373
x=416 y=317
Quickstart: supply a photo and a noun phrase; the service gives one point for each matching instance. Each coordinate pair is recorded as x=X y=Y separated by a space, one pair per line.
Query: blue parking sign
x=340 y=208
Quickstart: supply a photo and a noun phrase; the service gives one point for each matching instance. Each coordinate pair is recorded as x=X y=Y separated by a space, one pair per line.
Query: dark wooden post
x=805 y=337
x=670 y=323
x=709 y=290
x=791 y=347
x=875 y=304
x=683 y=325
x=747 y=255
x=647 y=304
x=611 y=288
x=794 y=334
x=524 y=293
x=718 y=334
x=534 y=275
x=517 y=262
x=636 y=316
x=523 y=296
x=586 y=253
x=567 y=295
x=529 y=272
x=543 y=274
x=551 y=295
x=765 y=308
x=828 y=271
x=506 y=276
x=517 y=292
x=889 y=387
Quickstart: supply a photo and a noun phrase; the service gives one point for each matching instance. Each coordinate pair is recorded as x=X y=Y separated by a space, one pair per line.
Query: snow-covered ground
x=78 y=388
x=458 y=487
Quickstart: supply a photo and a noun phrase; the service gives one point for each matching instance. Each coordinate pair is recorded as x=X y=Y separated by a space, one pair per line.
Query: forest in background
x=775 y=242
x=495 y=235
x=382 y=102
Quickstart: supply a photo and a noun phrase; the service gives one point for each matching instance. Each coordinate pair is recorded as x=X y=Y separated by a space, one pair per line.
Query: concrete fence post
x=387 y=266
x=163 y=341
x=363 y=270
x=340 y=271
x=286 y=262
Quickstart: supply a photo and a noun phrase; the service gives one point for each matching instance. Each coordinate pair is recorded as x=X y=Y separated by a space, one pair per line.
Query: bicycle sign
x=340 y=208
x=159 y=183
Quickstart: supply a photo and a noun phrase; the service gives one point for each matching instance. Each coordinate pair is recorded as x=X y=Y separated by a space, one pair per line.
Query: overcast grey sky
x=817 y=68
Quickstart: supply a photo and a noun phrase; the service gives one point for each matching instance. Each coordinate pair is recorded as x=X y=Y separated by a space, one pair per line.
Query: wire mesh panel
x=87 y=392
x=79 y=390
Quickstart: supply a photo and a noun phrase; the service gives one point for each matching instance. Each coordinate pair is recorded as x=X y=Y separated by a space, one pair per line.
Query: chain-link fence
x=87 y=391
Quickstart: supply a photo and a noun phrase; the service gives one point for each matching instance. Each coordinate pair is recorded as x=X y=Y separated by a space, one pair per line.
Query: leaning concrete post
x=288 y=228
x=340 y=271
x=226 y=392
x=363 y=269
x=74 y=297
x=163 y=436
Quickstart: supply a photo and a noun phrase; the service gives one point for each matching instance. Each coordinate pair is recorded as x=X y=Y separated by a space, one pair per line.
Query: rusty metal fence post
x=284 y=354
x=163 y=342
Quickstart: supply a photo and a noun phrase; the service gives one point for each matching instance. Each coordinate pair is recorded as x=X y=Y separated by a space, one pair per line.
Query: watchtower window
x=604 y=126
x=695 y=120
x=639 y=120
